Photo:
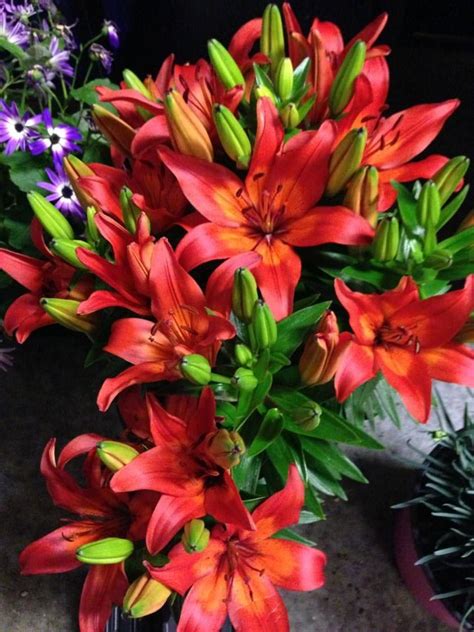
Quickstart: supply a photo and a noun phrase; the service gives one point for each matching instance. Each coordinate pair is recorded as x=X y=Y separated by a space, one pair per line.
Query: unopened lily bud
x=244 y=294
x=320 y=357
x=290 y=116
x=64 y=311
x=106 y=551
x=243 y=355
x=76 y=169
x=225 y=448
x=362 y=194
x=92 y=232
x=244 y=379
x=144 y=596
x=346 y=160
x=272 y=39
x=116 y=131
x=263 y=91
x=284 y=79
x=196 y=369
x=466 y=334
x=189 y=135
x=307 y=417
x=135 y=83
x=263 y=329
x=467 y=222
x=66 y=249
x=386 y=240
x=428 y=208
x=342 y=87
x=115 y=455
x=449 y=176
x=195 y=537
x=130 y=212
x=439 y=259
x=232 y=135
x=224 y=65
x=54 y=222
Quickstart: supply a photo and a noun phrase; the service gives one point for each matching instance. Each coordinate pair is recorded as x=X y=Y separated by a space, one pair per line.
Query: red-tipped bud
x=362 y=194
x=189 y=135
x=322 y=352
x=144 y=596
x=225 y=448
x=116 y=131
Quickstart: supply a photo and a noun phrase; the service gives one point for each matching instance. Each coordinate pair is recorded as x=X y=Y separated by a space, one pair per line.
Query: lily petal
x=170 y=515
x=25 y=315
x=141 y=374
x=105 y=587
x=223 y=502
x=451 y=363
x=220 y=282
x=355 y=368
x=205 y=605
x=27 y=271
x=291 y=565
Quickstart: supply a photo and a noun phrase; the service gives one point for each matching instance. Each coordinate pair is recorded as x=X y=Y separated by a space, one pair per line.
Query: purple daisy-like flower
x=16 y=131
x=59 y=60
x=110 y=30
x=62 y=194
x=65 y=32
x=20 y=11
x=60 y=138
x=102 y=55
x=13 y=32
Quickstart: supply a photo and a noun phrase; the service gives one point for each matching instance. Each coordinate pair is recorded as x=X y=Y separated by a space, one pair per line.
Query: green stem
x=223 y=379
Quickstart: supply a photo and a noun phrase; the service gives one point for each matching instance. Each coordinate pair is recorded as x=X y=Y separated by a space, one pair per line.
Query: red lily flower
x=182 y=469
x=273 y=211
x=411 y=341
x=128 y=275
x=394 y=141
x=237 y=573
x=42 y=278
x=182 y=327
x=100 y=514
x=325 y=48
x=134 y=413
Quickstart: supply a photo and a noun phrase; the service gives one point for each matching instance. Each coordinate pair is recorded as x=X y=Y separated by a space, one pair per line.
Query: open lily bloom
x=411 y=341
x=237 y=573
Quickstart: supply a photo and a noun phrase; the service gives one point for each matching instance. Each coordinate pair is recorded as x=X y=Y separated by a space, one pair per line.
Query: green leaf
x=247 y=473
x=464 y=239
x=292 y=330
x=248 y=402
x=300 y=74
x=289 y=534
x=314 y=505
x=407 y=205
x=262 y=78
x=281 y=457
x=451 y=209
x=13 y=49
x=379 y=278
x=18 y=233
x=332 y=457
x=25 y=170
x=269 y=430
x=88 y=94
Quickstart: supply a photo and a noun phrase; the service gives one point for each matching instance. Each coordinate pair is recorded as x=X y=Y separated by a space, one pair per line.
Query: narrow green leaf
x=292 y=330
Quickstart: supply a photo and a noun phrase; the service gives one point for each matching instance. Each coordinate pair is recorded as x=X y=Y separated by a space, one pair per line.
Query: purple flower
x=64 y=31
x=110 y=30
x=14 y=32
x=16 y=130
x=22 y=12
x=59 y=60
x=62 y=194
x=61 y=139
x=101 y=54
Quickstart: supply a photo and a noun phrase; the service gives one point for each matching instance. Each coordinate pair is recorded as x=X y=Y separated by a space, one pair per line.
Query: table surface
x=48 y=393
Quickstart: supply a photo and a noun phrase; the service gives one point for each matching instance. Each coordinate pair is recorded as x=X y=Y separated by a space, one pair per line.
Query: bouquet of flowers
x=259 y=282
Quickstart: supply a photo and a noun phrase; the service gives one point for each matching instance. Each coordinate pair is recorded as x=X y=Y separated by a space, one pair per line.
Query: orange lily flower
x=271 y=212
x=411 y=341
x=237 y=573
x=182 y=326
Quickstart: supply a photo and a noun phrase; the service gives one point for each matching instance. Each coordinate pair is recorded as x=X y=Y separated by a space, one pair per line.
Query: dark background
x=432 y=44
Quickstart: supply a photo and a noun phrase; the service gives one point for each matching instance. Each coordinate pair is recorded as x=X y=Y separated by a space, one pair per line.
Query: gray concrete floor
x=48 y=393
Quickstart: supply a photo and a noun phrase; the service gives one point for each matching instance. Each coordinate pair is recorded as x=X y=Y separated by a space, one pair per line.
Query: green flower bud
x=243 y=355
x=106 y=551
x=115 y=455
x=135 y=83
x=144 y=596
x=346 y=160
x=64 y=311
x=342 y=87
x=284 y=79
x=386 y=240
x=449 y=176
x=196 y=369
x=232 y=135
x=290 y=116
x=66 y=249
x=195 y=537
x=428 y=208
x=439 y=259
x=263 y=91
x=272 y=39
x=263 y=328
x=244 y=294
x=225 y=448
x=362 y=194
x=130 y=211
x=54 y=222
x=92 y=233
x=307 y=417
x=244 y=379
x=225 y=66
